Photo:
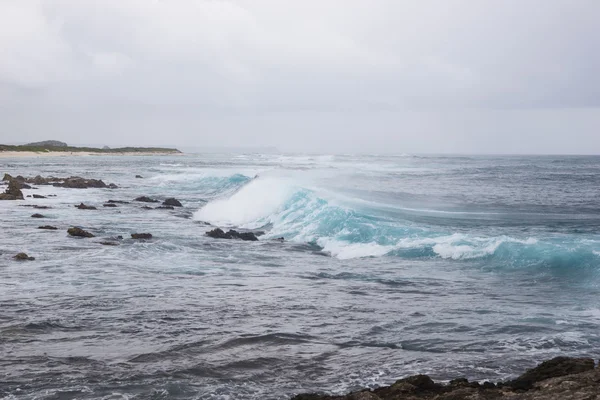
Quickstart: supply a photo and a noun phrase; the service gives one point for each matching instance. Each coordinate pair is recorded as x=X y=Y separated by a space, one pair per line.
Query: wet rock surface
x=23 y=257
x=13 y=191
x=48 y=227
x=141 y=236
x=172 y=202
x=561 y=378
x=36 y=215
x=85 y=207
x=218 y=233
x=73 y=182
x=78 y=232
x=145 y=199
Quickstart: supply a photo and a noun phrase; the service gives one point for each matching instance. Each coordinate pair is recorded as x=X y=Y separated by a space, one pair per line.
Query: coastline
x=16 y=154
x=560 y=378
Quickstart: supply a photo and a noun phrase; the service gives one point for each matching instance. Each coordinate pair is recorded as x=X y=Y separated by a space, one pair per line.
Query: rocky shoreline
x=15 y=185
x=561 y=378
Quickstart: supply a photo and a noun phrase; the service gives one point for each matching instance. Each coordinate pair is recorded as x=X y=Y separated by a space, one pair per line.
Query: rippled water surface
x=391 y=265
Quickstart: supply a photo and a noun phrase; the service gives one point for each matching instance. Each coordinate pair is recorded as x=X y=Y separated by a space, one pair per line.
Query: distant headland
x=55 y=147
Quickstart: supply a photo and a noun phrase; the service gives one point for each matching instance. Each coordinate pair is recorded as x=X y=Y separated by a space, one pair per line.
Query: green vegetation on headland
x=50 y=146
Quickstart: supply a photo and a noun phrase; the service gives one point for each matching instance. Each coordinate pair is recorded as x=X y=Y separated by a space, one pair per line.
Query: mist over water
x=391 y=265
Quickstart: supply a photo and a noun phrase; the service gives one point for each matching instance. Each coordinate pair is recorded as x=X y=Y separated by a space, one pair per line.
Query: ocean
x=474 y=266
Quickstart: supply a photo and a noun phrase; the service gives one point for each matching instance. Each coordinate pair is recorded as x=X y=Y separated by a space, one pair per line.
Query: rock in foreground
x=218 y=233
x=561 y=378
x=78 y=232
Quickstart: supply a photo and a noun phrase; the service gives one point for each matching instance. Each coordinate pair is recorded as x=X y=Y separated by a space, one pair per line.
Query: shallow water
x=452 y=266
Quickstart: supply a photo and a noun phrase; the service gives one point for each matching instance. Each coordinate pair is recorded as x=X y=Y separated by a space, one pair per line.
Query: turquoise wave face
x=202 y=184
x=349 y=228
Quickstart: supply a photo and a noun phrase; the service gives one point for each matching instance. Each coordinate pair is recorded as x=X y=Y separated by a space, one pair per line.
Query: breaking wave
x=347 y=229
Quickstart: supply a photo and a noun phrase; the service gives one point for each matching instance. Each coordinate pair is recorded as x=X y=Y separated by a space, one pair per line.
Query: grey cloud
x=262 y=66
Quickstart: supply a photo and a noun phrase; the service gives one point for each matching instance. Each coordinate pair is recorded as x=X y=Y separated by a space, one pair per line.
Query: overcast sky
x=466 y=76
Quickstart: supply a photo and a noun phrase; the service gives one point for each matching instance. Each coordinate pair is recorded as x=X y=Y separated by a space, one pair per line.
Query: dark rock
x=139 y=177
x=172 y=202
x=218 y=233
x=118 y=202
x=147 y=208
x=38 y=196
x=556 y=367
x=459 y=382
x=145 y=199
x=13 y=192
x=24 y=185
x=112 y=186
x=41 y=207
x=247 y=236
x=36 y=215
x=165 y=208
x=7 y=178
x=488 y=385
x=48 y=227
x=141 y=236
x=120 y=237
x=85 y=207
x=107 y=243
x=109 y=205
x=79 y=232
x=76 y=182
x=38 y=180
x=23 y=257
x=28 y=195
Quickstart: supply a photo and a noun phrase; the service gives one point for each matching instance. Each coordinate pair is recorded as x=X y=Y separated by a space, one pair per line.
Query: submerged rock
x=108 y=243
x=165 y=208
x=78 y=232
x=38 y=196
x=139 y=177
x=172 y=202
x=109 y=205
x=85 y=207
x=218 y=233
x=49 y=227
x=23 y=257
x=36 y=215
x=145 y=199
x=117 y=202
x=141 y=236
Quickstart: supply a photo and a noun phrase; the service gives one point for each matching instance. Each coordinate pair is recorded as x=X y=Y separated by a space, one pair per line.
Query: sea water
x=473 y=266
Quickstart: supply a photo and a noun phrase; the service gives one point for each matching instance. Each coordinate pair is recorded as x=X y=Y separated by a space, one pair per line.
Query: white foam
x=346 y=250
x=256 y=200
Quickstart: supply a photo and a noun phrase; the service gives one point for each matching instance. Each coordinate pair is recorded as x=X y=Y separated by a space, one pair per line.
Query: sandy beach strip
x=17 y=154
